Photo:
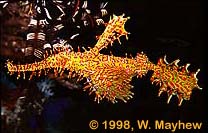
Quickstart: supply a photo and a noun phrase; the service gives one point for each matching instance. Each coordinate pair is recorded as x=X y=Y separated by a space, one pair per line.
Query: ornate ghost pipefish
x=109 y=76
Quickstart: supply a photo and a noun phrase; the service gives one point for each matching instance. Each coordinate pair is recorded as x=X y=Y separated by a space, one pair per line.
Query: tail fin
x=174 y=79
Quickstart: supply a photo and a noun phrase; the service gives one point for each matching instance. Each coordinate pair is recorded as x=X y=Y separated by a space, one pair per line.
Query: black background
x=174 y=28
x=158 y=28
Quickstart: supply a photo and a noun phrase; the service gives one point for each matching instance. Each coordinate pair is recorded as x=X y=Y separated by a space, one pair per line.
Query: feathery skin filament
x=109 y=76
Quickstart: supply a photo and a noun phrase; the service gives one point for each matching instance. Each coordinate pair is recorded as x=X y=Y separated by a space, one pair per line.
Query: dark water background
x=158 y=28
